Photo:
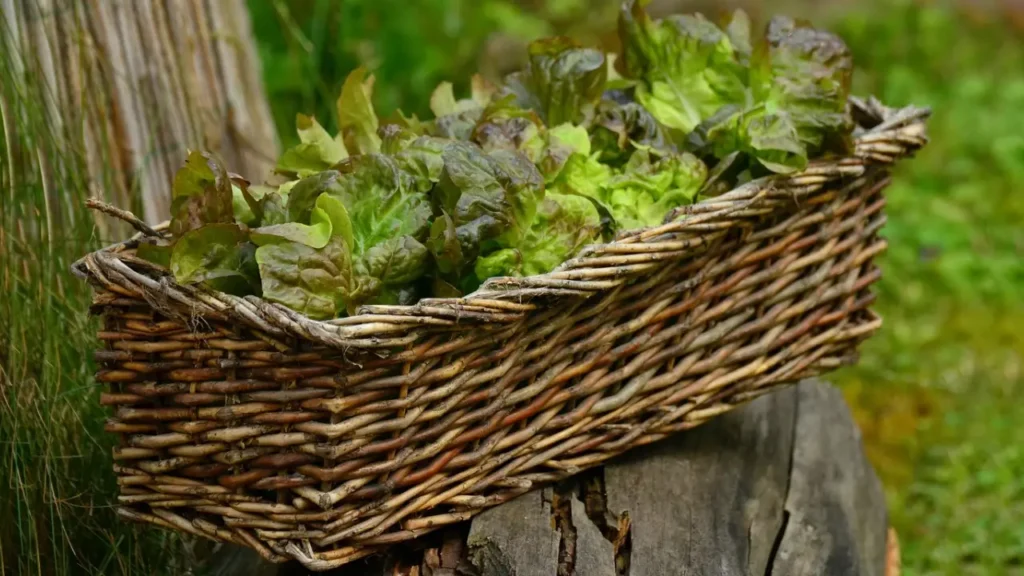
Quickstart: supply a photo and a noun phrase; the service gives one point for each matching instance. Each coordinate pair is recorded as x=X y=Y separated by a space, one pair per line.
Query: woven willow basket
x=243 y=421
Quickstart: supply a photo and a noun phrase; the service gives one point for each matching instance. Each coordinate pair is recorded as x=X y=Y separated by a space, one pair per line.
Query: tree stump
x=780 y=486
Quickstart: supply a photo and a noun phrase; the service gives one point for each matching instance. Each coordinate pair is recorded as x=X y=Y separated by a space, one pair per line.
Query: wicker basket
x=246 y=422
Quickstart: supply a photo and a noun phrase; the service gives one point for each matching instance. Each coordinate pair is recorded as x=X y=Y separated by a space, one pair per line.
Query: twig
x=101 y=206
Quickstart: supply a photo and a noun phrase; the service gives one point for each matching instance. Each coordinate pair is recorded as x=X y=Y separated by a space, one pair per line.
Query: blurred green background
x=935 y=392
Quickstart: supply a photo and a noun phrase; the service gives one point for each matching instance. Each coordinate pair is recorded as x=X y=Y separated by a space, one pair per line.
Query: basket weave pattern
x=245 y=422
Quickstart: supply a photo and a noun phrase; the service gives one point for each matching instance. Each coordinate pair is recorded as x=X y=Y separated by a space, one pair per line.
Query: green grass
x=56 y=489
x=937 y=391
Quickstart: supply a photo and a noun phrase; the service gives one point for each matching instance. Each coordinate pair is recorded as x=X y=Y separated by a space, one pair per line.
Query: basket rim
x=883 y=136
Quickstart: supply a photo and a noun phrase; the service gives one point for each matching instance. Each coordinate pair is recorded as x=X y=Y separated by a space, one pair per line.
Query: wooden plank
x=837 y=521
x=516 y=538
x=595 y=556
x=709 y=501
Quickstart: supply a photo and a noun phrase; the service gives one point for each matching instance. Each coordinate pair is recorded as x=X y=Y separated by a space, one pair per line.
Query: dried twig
x=101 y=206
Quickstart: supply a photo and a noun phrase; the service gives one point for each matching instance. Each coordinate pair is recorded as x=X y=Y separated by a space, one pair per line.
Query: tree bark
x=133 y=85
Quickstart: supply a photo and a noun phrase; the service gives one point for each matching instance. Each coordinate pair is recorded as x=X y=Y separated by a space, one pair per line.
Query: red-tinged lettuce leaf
x=564 y=224
x=506 y=126
x=805 y=74
x=201 y=194
x=562 y=82
x=686 y=66
x=219 y=255
x=311 y=281
x=490 y=200
x=618 y=129
x=356 y=116
x=317 y=150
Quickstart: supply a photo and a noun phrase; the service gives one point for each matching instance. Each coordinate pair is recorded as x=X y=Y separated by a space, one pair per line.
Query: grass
x=936 y=392
x=56 y=491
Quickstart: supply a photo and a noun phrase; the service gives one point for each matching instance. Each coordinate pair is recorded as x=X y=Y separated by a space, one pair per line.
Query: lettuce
x=686 y=67
x=564 y=223
x=562 y=81
x=799 y=85
x=316 y=151
x=511 y=181
x=642 y=192
x=486 y=201
x=201 y=194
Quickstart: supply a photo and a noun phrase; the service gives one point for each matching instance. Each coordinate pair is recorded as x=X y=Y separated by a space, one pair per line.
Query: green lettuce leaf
x=311 y=281
x=356 y=116
x=647 y=189
x=564 y=224
x=159 y=254
x=642 y=192
x=327 y=218
x=551 y=149
x=687 y=67
x=201 y=194
x=422 y=160
x=219 y=255
x=562 y=81
x=242 y=208
x=390 y=219
x=317 y=150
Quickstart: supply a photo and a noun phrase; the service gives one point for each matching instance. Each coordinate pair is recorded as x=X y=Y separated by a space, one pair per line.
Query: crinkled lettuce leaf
x=642 y=192
x=562 y=81
x=201 y=194
x=800 y=81
x=806 y=74
x=390 y=216
x=316 y=151
x=487 y=200
x=356 y=116
x=649 y=188
x=686 y=67
x=311 y=281
x=505 y=125
x=564 y=223
x=219 y=255
x=618 y=129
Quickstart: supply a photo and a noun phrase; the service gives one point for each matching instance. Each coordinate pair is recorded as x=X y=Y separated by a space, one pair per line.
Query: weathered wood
x=709 y=501
x=835 y=505
x=516 y=538
x=778 y=487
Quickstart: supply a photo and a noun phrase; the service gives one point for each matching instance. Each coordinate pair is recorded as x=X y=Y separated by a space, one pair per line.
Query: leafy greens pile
x=514 y=179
